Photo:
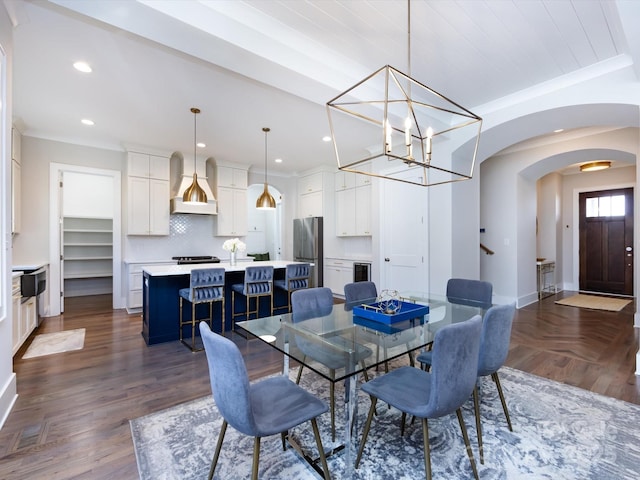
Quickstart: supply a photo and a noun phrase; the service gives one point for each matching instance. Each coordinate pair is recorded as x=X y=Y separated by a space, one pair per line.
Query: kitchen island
x=161 y=307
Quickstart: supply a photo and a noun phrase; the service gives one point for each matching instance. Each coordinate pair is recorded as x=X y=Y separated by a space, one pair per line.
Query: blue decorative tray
x=407 y=311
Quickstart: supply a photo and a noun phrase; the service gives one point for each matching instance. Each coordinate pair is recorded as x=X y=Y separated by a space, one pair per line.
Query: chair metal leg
x=323 y=458
x=283 y=437
x=256 y=458
x=496 y=379
x=427 y=448
x=216 y=455
x=365 y=433
x=332 y=405
x=476 y=407
x=467 y=444
x=403 y=418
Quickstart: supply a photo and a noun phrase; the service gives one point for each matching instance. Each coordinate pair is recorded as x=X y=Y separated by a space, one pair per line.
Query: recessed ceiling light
x=326 y=138
x=86 y=121
x=83 y=67
x=278 y=160
x=201 y=145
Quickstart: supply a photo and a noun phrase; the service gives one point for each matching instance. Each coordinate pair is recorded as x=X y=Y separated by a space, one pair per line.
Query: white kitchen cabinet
x=311 y=195
x=232 y=217
x=345 y=212
x=337 y=273
x=231 y=177
x=310 y=205
x=148 y=194
x=344 y=180
x=353 y=205
x=24 y=316
x=16 y=315
x=363 y=209
x=134 y=284
x=311 y=183
x=28 y=318
x=232 y=212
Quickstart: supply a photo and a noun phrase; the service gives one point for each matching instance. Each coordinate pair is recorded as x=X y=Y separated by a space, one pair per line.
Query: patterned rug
x=57 y=342
x=560 y=433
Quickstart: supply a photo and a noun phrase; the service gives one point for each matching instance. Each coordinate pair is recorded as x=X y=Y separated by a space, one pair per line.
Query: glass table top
x=342 y=344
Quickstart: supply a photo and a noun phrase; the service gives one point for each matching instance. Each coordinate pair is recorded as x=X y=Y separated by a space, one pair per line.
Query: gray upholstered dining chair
x=432 y=394
x=357 y=293
x=494 y=348
x=258 y=282
x=260 y=409
x=318 y=302
x=476 y=293
x=206 y=285
x=296 y=277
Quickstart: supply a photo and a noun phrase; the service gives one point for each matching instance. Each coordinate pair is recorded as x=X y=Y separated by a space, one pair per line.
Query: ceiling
x=275 y=63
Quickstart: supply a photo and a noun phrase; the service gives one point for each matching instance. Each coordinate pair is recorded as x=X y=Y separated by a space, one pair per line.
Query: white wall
x=7 y=377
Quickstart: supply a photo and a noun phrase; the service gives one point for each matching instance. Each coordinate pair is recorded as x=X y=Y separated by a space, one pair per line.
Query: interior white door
x=405 y=236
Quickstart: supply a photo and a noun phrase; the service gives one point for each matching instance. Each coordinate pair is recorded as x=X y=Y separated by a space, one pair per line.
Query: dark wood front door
x=606 y=241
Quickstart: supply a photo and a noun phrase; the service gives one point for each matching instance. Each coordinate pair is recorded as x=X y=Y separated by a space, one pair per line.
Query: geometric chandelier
x=400 y=124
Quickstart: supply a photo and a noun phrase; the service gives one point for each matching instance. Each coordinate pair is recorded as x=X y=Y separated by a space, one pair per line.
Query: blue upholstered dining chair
x=357 y=293
x=432 y=394
x=206 y=285
x=258 y=282
x=261 y=409
x=318 y=302
x=494 y=348
x=296 y=276
x=476 y=293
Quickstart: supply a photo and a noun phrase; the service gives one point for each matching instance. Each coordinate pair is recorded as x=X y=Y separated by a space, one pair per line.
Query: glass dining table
x=344 y=335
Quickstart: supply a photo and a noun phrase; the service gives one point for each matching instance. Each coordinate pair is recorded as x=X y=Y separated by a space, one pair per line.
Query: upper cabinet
x=231 y=177
x=232 y=202
x=16 y=179
x=147 y=194
x=353 y=204
x=311 y=194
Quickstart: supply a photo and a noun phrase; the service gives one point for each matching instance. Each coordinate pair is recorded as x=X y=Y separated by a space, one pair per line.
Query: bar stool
x=258 y=282
x=206 y=285
x=296 y=277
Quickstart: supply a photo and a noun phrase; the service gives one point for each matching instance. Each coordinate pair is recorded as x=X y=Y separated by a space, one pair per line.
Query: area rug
x=595 y=302
x=58 y=342
x=560 y=432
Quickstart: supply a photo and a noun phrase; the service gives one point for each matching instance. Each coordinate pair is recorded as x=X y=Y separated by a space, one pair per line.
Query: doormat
x=57 y=342
x=594 y=302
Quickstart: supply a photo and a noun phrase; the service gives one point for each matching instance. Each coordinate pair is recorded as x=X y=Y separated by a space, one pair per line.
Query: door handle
x=386 y=259
x=628 y=249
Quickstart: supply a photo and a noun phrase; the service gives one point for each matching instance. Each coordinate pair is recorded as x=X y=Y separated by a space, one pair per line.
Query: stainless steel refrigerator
x=307 y=246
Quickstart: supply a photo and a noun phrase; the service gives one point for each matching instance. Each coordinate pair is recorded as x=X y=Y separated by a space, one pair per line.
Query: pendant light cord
x=266 y=130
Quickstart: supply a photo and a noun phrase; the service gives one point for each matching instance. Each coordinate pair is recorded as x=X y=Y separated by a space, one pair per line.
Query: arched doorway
x=264 y=234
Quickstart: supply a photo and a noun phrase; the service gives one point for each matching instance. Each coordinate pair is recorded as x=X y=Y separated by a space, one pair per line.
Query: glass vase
x=233 y=259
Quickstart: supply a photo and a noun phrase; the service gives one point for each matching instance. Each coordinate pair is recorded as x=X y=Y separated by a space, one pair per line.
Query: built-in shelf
x=88 y=255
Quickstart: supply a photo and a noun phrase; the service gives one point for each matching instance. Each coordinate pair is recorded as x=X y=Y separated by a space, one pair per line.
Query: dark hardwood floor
x=71 y=419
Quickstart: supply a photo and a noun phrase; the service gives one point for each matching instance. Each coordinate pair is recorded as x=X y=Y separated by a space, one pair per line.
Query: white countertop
x=15 y=274
x=29 y=267
x=169 y=270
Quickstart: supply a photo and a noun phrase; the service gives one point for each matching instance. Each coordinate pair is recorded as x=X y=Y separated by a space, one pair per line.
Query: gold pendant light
x=195 y=193
x=265 y=201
